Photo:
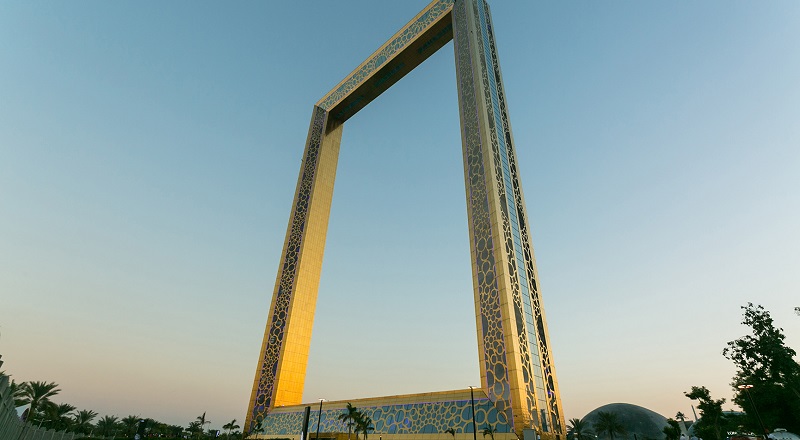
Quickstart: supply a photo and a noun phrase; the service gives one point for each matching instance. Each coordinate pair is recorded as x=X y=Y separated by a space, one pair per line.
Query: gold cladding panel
x=502 y=346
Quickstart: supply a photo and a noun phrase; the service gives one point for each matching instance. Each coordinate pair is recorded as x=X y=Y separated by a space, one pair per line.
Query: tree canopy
x=38 y=394
x=349 y=417
x=766 y=365
x=46 y=414
x=579 y=430
x=712 y=420
x=673 y=430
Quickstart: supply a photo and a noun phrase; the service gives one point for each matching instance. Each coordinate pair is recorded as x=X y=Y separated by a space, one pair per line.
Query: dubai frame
x=519 y=393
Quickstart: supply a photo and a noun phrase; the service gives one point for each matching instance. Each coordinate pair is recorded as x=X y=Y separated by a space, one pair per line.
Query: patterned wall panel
x=394 y=46
x=482 y=243
x=413 y=418
x=547 y=392
x=508 y=209
x=266 y=374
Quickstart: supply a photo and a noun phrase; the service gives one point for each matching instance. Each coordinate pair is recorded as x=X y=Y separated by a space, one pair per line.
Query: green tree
x=107 y=426
x=130 y=423
x=17 y=392
x=37 y=393
x=154 y=427
x=349 y=417
x=711 y=423
x=82 y=423
x=764 y=361
x=363 y=425
x=174 y=430
x=231 y=426
x=195 y=428
x=608 y=425
x=489 y=430
x=673 y=430
x=579 y=430
x=681 y=417
x=258 y=427
x=57 y=416
x=202 y=422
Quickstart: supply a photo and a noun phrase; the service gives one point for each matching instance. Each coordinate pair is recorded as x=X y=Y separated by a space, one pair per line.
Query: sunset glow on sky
x=149 y=153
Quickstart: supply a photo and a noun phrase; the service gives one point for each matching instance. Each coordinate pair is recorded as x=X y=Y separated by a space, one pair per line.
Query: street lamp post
x=746 y=388
x=319 y=418
x=472 y=401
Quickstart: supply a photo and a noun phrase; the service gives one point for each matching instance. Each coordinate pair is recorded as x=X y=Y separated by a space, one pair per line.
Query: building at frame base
x=406 y=417
x=519 y=393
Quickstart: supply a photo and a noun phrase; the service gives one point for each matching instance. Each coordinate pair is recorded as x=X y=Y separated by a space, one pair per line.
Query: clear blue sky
x=149 y=151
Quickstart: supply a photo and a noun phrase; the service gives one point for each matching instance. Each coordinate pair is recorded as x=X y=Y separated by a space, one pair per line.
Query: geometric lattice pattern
x=492 y=336
x=397 y=43
x=532 y=341
x=408 y=418
x=517 y=372
x=281 y=303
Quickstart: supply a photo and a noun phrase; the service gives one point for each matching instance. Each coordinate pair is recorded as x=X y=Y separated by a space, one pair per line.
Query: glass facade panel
x=512 y=211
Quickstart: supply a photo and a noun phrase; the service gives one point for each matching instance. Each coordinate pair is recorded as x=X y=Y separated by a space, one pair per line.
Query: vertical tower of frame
x=281 y=370
x=514 y=347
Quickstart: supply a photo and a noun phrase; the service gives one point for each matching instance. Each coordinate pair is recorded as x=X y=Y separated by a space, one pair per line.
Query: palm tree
x=579 y=430
x=202 y=420
x=231 y=426
x=17 y=392
x=608 y=426
x=349 y=417
x=489 y=430
x=195 y=428
x=130 y=423
x=56 y=417
x=154 y=427
x=682 y=418
x=107 y=425
x=357 y=416
x=451 y=431
x=259 y=427
x=82 y=423
x=364 y=425
x=174 y=430
x=37 y=393
x=673 y=430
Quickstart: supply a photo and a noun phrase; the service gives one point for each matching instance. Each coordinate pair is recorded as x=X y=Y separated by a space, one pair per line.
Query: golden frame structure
x=517 y=372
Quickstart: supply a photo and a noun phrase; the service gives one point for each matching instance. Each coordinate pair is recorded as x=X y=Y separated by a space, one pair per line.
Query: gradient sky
x=149 y=152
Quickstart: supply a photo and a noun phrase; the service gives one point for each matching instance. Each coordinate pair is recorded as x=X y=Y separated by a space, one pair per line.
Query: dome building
x=640 y=423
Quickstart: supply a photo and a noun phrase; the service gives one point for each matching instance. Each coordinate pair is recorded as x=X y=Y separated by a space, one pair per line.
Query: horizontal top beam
x=409 y=47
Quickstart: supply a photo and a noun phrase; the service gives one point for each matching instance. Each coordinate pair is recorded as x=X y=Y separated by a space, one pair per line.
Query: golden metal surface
x=512 y=354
